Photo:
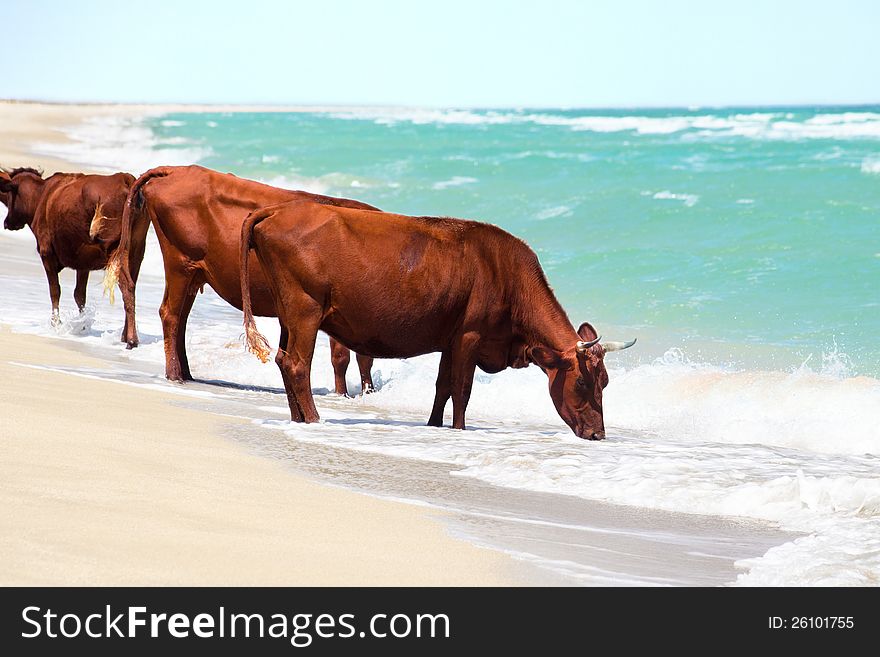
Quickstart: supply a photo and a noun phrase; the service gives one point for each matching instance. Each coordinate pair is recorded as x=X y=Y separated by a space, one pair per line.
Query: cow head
x=577 y=377
x=20 y=191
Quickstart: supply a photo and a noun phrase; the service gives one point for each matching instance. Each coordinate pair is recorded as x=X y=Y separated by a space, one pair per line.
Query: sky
x=454 y=53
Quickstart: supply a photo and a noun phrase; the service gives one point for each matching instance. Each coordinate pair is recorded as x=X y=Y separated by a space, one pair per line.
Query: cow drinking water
x=392 y=286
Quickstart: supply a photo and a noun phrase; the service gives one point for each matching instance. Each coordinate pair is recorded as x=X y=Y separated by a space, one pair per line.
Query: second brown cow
x=197 y=215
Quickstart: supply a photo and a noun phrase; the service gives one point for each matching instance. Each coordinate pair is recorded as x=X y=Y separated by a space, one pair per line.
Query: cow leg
x=185 y=309
x=283 y=368
x=79 y=292
x=298 y=356
x=180 y=292
x=340 y=357
x=285 y=364
x=52 y=270
x=444 y=389
x=464 y=364
x=365 y=365
x=127 y=285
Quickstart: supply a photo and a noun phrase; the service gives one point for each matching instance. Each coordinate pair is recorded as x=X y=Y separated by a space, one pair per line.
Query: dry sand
x=109 y=484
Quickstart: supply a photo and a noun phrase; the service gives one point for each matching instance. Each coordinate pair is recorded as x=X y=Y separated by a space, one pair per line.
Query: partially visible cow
x=4 y=178
x=60 y=211
x=391 y=286
x=197 y=214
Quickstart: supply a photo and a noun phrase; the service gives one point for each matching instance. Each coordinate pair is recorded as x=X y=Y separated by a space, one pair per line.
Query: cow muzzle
x=586 y=433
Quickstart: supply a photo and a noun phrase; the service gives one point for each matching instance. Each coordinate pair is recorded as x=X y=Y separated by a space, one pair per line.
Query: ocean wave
x=871 y=164
x=304 y=183
x=329 y=183
x=822 y=412
x=455 y=181
x=120 y=143
x=754 y=125
x=552 y=213
x=690 y=200
x=825 y=558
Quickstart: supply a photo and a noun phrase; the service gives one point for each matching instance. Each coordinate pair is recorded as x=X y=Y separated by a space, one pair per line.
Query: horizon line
x=693 y=107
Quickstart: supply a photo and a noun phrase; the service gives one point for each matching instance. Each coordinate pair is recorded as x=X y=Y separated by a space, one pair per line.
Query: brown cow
x=4 y=178
x=197 y=215
x=60 y=210
x=395 y=287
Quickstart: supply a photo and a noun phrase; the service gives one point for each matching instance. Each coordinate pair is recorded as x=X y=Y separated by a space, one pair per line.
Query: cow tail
x=255 y=342
x=125 y=263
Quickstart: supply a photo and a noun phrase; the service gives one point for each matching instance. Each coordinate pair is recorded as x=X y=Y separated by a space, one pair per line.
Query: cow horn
x=583 y=346
x=618 y=346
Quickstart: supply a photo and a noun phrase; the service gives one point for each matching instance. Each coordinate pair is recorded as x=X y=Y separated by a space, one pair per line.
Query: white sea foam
x=121 y=143
x=555 y=211
x=455 y=181
x=330 y=183
x=304 y=183
x=822 y=412
x=755 y=125
x=871 y=164
x=690 y=200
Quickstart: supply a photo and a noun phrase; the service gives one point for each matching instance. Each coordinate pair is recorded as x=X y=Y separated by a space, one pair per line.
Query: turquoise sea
x=728 y=227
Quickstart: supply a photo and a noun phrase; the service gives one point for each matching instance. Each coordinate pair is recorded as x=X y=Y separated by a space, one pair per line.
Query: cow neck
x=542 y=321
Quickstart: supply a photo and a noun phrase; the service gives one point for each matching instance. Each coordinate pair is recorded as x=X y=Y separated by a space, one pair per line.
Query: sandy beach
x=102 y=486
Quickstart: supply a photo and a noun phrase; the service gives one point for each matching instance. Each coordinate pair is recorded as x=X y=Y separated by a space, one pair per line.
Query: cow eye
x=579 y=382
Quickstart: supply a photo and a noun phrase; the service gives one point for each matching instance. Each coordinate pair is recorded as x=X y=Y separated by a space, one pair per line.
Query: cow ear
x=545 y=358
x=587 y=333
x=6 y=185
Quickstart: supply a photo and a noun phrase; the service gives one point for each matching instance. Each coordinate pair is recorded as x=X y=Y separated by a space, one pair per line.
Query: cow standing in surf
x=197 y=215
x=392 y=286
x=74 y=218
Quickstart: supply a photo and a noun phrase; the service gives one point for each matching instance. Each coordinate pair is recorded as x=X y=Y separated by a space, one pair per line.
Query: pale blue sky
x=449 y=53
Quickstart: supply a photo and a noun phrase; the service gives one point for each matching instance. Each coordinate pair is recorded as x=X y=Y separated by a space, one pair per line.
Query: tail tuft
x=256 y=343
x=111 y=279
